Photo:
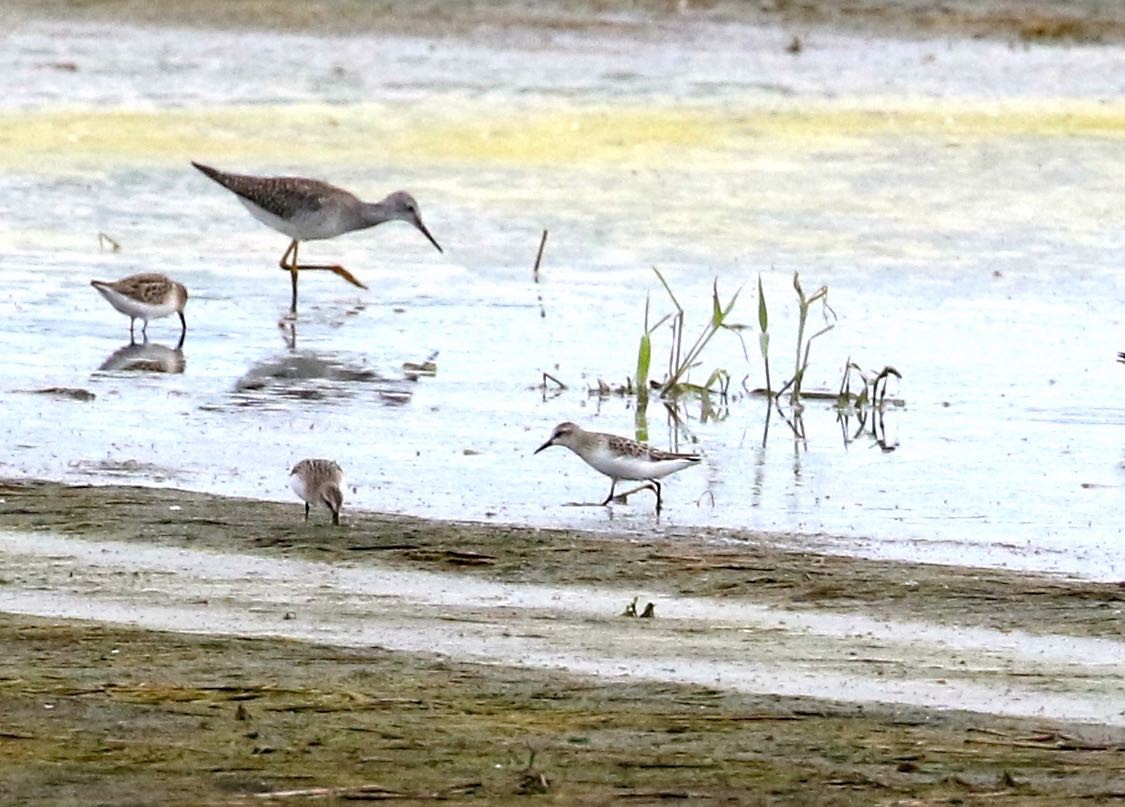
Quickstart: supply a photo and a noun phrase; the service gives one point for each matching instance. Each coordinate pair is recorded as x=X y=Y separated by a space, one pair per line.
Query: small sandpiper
x=309 y=210
x=319 y=482
x=619 y=457
x=145 y=296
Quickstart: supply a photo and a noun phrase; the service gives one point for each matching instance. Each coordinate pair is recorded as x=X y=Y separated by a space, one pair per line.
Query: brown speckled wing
x=318 y=471
x=147 y=288
x=626 y=447
x=281 y=196
x=284 y=196
x=659 y=455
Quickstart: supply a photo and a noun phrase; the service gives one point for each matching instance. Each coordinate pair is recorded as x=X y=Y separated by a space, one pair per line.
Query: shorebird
x=319 y=482
x=145 y=296
x=310 y=210
x=619 y=457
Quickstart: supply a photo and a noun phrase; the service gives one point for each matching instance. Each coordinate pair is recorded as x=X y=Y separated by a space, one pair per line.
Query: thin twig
x=548 y=377
x=539 y=257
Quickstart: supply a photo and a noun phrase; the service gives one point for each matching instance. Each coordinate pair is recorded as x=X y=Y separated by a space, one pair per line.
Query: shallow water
x=960 y=200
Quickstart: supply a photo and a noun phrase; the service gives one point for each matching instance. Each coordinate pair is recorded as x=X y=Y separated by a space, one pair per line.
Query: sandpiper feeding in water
x=319 y=482
x=310 y=210
x=619 y=457
x=145 y=296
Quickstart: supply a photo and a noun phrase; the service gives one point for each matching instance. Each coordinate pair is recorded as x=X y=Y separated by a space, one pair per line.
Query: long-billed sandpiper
x=619 y=457
x=319 y=482
x=145 y=296
x=310 y=210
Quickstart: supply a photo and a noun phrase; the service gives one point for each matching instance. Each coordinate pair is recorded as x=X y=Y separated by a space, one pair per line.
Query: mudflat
x=110 y=712
x=1021 y=20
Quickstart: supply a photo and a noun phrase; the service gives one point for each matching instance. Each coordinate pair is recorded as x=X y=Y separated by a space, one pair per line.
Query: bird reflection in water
x=146 y=357
x=315 y=375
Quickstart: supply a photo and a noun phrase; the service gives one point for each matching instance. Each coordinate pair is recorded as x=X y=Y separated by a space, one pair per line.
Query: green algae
x=96 y=714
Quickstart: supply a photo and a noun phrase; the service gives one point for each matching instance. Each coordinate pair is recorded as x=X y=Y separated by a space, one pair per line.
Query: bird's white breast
x=617 y=466
x=135 y=308
x=311 y=226
x=298 y=484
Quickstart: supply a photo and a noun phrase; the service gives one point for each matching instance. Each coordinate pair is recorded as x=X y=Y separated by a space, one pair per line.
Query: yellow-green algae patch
x=98 y=714
x=630 y=135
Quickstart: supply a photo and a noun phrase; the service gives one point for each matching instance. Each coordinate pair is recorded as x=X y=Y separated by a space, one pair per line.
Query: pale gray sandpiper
x=619 y=457
x=310 y=210
x=319 y=482
x=145 y=296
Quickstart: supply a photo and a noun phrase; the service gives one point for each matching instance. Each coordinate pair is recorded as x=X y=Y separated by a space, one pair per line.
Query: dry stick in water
x=539 y=257
x=535 y=274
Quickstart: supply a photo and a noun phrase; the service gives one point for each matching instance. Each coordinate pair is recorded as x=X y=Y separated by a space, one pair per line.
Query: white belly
x=302 y=228
x=298 y=485
x=635 y=468
x=134 y=308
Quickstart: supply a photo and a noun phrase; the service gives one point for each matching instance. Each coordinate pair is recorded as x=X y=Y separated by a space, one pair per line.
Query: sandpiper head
x=403 y=207
x=565 y=434
x=333 y=498
x=181 y=294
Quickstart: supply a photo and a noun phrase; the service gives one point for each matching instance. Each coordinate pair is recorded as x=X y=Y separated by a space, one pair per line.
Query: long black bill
x=418 y=223
x=547 y=444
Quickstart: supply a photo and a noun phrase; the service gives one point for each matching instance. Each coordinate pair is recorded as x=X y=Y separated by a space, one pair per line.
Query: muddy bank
x=113 y=714
x=768 y=569
x=1021 y=20
x=96 y=714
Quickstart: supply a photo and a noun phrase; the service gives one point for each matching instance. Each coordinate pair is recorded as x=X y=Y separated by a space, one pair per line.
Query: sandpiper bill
x=319 y=482
x=620 y=458
x=145 y=296
x=309 y=210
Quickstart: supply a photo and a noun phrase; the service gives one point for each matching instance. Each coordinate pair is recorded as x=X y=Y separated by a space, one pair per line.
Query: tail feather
x=214 y=173
x=672 y=455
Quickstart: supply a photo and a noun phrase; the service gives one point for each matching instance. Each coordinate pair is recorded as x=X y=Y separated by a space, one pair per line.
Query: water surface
x=960 y=200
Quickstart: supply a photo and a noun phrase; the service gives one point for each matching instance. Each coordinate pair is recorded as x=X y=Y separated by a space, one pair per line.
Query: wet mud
x=1020 y=20
x=109 y=712
x=97 y=714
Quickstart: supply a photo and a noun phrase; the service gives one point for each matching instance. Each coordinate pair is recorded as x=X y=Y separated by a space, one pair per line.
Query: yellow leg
x=289 y=264
x=292 y=268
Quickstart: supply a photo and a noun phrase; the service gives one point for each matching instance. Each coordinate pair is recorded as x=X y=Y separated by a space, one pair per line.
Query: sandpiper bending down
x=319 y=482
x=145 y=296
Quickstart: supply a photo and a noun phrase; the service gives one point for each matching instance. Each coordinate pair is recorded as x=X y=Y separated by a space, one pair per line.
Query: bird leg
x=289 y=263
x=650 y=484
x=131 y=337
x=609 y=498
x=183 y=329
x=306 y=512
x=291 y=268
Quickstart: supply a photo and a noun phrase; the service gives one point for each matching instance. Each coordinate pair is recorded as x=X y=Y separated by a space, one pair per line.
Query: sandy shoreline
x=545 y=605
x=1016 y=20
